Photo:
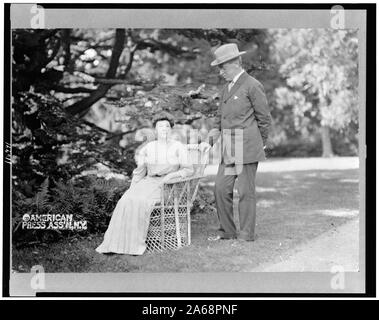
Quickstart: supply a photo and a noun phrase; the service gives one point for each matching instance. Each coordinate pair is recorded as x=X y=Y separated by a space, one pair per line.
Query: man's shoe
x=245 y=239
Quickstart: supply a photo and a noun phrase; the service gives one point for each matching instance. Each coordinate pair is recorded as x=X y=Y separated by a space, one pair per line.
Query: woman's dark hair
x=164 y=116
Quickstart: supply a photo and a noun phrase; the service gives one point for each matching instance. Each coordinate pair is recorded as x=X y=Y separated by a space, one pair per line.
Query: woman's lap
x=128 y=227
x=147 y=188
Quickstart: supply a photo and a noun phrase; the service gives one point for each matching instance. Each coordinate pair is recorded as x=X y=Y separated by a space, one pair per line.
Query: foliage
x=320 y=67
x=47 y=142
x=87 y=199
x=204 y=201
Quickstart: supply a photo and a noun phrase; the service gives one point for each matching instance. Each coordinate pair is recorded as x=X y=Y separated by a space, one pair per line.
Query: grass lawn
x=294 y=206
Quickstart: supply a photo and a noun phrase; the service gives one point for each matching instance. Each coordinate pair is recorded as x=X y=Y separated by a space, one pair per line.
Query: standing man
x=244 y=120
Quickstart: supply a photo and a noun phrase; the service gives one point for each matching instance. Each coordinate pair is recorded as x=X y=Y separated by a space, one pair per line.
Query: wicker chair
x=170 y=219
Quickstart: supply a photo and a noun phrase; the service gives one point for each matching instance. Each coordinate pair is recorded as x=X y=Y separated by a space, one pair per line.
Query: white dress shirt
x=235 y=80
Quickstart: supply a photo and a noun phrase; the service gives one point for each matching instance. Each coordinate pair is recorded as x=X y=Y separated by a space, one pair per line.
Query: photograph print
x=188 y=148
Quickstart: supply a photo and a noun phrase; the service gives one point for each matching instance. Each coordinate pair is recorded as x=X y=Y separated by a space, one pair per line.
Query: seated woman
x=158 y=161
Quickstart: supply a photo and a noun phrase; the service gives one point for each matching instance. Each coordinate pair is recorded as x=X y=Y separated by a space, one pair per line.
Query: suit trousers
x=225 y=180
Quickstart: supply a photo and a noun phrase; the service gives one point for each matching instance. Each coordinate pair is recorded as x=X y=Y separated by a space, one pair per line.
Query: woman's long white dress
x=127 y=230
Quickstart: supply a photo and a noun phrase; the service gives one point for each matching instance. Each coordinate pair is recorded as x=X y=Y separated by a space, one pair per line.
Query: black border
x=370 y=254
x=7 y=139
x=132 y=309
x=370 y=185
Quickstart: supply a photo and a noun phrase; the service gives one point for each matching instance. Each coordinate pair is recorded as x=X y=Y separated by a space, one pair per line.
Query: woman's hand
x=169 y=177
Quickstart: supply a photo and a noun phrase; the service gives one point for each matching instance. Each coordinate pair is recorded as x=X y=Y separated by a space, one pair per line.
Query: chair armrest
x=176 y=180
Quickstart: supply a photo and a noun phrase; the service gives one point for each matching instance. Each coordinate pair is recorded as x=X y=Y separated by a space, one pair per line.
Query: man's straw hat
x=225 y=53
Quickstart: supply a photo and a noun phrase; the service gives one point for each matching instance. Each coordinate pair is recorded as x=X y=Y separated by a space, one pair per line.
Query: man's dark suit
x=244 y=120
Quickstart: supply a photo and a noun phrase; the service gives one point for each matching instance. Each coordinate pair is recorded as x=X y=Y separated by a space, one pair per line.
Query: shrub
x=296 y=149
x=301 y=148
x=87 y=199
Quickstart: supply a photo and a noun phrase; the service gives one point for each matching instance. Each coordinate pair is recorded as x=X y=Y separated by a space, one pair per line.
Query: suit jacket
x=244 y=121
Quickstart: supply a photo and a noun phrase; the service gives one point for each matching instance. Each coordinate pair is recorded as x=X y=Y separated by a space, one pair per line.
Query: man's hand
x=204 y=147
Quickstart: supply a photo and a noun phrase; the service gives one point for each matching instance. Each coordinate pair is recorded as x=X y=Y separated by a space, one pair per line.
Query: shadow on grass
x=292 y=208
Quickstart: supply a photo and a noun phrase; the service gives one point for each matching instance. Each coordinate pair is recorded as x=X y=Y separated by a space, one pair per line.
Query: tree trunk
x=327 y=150
x=81 y=107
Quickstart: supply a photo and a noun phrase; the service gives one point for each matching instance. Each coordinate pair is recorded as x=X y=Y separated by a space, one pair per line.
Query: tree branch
x=129 y=66
x=146 y=86
x=174 y=50
x=81 y=107
x=92 y=125
x=68 y=63
x=72 y=90
x=116 y=53
x=110 y=81
x=120 y=134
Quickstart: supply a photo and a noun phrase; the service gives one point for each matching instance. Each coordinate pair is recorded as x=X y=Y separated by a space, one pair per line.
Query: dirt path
x=300 y=164
x=337 y=247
